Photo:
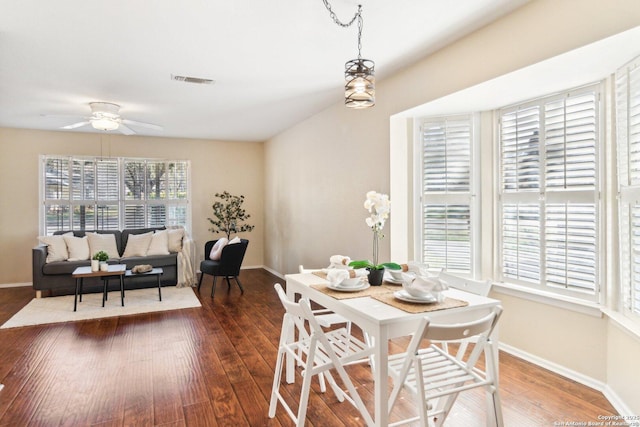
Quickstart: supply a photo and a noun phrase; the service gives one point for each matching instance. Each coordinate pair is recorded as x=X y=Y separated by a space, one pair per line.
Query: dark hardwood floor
x=213 y=366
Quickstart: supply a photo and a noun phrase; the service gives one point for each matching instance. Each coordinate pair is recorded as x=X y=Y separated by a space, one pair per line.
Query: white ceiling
x=275 y=62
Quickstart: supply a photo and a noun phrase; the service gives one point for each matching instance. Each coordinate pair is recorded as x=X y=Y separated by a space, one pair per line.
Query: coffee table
x=114 y=270
x=153 y=272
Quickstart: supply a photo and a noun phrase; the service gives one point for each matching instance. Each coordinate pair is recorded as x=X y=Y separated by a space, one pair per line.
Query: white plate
x=392 y=280
x=407 y=297
x=362 y=287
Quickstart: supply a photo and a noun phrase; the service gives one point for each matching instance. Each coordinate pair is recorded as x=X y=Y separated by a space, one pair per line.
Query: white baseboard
x=611 y=395
x=272 y=271
x=554 y=367
x=15 y=285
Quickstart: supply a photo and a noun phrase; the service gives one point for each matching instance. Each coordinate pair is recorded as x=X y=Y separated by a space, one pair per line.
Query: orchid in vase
x=379 y=207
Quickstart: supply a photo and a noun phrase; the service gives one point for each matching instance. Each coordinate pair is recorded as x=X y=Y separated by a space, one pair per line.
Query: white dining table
x=383 y=322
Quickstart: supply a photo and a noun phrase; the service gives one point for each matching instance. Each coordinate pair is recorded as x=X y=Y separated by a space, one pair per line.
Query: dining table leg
x=381 y=376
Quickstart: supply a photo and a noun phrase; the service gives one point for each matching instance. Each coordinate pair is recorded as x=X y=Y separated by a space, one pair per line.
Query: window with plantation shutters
x=548 y=197
x=85 y=193
x=628 y=140
x=445 y=201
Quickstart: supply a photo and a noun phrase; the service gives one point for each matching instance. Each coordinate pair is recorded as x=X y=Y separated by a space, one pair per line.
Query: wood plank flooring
x=213 y=366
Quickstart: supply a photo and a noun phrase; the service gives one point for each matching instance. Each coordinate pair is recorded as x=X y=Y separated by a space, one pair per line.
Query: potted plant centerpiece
x=99 y=261
x=379 y=207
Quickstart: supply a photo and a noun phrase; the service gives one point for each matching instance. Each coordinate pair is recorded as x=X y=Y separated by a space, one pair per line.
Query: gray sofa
x=55 y=277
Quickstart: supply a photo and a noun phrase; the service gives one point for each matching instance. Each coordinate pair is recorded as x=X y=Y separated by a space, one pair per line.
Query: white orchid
x=379 y=207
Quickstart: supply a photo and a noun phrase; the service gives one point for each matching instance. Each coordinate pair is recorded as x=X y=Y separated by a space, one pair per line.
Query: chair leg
x=228 y=284
x=200 y=281
x=239 y=285
x=213 y=287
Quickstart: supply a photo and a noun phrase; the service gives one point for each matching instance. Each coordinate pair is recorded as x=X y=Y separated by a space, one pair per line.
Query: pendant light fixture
x=359 y=74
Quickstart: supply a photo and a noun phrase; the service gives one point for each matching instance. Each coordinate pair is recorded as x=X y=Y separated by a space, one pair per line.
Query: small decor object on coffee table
x=379 y=207
x=99 y=261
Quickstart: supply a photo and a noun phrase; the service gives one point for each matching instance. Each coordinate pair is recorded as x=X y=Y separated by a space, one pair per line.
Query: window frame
x=547 y=198
x=470 y=197
x=628 y=189
x=120 y=202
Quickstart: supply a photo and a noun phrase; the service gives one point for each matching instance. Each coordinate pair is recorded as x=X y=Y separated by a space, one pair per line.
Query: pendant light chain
x=359 y=73
x=335 y=17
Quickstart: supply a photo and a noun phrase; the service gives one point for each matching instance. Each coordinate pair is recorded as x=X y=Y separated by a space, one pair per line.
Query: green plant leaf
x=391 y=266
x=361 y=264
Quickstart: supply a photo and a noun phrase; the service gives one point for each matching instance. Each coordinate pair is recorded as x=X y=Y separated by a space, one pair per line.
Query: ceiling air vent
x=196 y=80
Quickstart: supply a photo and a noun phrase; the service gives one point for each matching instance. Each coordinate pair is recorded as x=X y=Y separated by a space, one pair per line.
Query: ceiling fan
x=105 y=116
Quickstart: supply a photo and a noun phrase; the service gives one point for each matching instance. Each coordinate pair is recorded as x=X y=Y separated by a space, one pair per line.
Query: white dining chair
x=318 y=352
x=327 y=318
x=435 y=378
x=477 y=287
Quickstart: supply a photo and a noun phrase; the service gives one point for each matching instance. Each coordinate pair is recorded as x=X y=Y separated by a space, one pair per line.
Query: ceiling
x=274 y=62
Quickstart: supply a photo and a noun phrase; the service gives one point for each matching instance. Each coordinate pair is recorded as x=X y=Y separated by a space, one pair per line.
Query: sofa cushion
x=63 y=267
x=137 y=245
x=159 y=243
x=78 y=247
x=175 y=236
x=132 y=231
x=56 y=247
x=154 y=260
x=103 y=242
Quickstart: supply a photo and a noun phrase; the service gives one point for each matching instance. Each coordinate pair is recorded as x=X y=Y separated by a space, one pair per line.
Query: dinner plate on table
x=407 y=297
x=392 y=280
x=340 y=288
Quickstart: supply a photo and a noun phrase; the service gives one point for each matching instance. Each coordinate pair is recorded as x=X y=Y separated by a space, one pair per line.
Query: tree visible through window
x=83 y=193
x=548 y=199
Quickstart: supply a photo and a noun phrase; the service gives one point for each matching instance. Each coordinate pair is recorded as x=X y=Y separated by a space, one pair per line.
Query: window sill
x=560 y=301
x=623 y=322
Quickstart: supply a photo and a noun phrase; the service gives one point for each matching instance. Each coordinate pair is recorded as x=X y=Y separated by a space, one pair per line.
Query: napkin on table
x=337 y=276
x=339 y=261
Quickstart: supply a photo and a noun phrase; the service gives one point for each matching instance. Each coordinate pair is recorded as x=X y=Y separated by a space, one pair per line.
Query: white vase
x=95 y=265
x=104 y=266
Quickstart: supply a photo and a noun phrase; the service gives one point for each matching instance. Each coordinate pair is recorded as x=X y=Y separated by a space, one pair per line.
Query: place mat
x=392 y=285
x=369 y=292
x=409 y=307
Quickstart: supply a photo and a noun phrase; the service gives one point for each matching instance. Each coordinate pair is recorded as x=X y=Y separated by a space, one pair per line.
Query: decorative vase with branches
x=228 y=215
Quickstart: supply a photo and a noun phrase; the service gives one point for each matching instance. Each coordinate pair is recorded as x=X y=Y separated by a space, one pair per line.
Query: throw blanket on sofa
x=186 y=271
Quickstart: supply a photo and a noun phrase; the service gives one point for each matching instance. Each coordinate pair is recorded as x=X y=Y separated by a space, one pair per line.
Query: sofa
x=52 y=266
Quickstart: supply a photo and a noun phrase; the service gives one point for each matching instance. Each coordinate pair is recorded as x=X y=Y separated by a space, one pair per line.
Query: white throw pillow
x=175 y=239
x=103 y=242
x=78 y=247
x=159 y=243
x=216 y=250
x=234 y=240
x=56 y=247
x=137 y=244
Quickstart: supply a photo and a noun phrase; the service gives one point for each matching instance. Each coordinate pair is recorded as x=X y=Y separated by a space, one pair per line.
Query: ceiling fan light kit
x=105 y=116
x=359 y=74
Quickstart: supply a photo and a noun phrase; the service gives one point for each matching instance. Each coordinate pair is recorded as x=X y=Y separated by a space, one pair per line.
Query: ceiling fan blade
x=142 y=124
x=76 y=125
x=125 y=130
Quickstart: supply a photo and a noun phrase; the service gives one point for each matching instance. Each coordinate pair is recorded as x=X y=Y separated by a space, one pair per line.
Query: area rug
x=60 y=309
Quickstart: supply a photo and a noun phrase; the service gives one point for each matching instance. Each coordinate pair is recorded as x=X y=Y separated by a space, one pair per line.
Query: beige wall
x=318 y=172
x=215 y=166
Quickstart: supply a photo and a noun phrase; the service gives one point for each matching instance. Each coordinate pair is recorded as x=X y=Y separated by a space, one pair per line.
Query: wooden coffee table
x=114 y=270
x=153 y=272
